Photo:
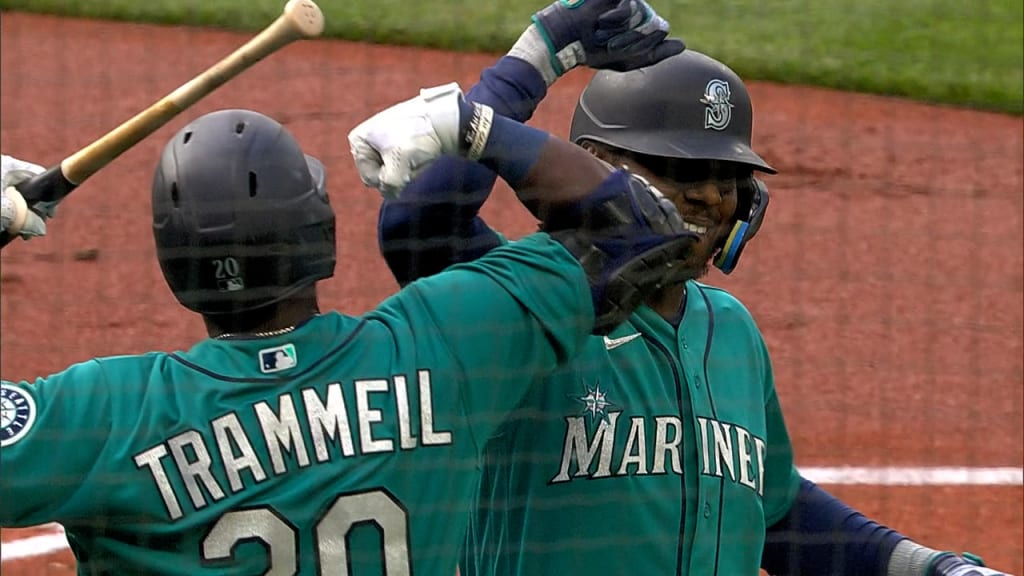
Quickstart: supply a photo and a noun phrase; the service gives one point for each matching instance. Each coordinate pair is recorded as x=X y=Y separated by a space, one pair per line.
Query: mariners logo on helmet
x=718 y=109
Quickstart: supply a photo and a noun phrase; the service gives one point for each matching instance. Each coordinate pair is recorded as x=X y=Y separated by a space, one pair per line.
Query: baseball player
x=298 y=442
x=661 y=448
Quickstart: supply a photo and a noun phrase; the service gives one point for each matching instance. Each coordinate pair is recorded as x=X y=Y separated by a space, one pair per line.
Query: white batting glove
x=16 y=217
x=393 y=146
x=949 y=564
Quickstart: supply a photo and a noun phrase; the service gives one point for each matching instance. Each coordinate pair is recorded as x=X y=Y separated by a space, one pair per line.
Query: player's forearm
x=822 y=535
x=512 y=87
x=546 y=172
x=563 y=172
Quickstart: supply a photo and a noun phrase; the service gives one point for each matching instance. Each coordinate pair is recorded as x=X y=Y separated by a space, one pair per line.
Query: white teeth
x=694 y=228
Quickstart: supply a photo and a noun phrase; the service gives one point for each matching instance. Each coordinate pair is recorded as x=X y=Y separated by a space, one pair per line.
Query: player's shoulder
x=719 y=299
x=134 y=368
x=537 y=245
x=144 y=361
x=107 y=377
x=725 y=306
x=513 y=265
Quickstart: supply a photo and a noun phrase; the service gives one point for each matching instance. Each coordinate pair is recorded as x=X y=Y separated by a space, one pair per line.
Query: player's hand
x=613 y=34
x=16 y=217
x=949 y=564
x=393 y=146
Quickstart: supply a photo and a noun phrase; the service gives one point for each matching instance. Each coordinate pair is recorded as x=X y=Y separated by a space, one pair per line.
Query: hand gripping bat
x=300 y=19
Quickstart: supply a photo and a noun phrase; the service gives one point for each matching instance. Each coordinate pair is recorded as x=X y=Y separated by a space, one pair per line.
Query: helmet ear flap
x=729 y=254
x=759 y=198
x=750 y=210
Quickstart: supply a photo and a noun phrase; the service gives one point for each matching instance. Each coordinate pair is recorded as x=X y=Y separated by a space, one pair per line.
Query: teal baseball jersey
x=656 y=450
x=349 y=446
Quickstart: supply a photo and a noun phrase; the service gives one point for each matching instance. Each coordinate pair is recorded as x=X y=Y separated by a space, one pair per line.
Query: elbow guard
x=630 y=241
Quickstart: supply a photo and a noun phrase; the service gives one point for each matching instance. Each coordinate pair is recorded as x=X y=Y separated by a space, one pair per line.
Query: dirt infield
x=889 y=278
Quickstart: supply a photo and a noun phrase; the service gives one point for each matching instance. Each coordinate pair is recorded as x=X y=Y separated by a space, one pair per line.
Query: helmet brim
x=707 y=147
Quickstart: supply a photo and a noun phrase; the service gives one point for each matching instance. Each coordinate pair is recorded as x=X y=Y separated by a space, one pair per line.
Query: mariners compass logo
x=595 y=402
x=17 y=414
x=718 y=111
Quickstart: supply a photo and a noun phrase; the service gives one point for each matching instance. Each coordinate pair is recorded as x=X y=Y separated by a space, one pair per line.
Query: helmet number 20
x=226 y=268
x=331 y=532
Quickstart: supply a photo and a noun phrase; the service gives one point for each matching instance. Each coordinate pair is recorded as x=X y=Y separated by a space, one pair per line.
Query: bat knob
x=305 y=16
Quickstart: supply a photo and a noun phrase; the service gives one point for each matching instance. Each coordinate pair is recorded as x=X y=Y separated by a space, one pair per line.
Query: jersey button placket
x=707 y=510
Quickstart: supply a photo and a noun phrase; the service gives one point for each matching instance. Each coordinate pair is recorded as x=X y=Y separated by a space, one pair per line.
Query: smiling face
x=704 y=192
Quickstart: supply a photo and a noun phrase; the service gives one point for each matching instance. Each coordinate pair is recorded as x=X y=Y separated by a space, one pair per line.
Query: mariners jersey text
x=652 y=446
x=318 y=433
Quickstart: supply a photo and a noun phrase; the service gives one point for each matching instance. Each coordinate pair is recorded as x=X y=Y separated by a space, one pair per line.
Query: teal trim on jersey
x=661 y=454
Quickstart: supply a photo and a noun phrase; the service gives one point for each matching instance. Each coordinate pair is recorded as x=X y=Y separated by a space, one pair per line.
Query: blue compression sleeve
x=511 y=87
x=435 y=223
x=821 y=535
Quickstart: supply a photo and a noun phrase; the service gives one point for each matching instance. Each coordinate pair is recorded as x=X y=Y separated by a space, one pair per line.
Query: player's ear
x=608 y=154
x=594 y=148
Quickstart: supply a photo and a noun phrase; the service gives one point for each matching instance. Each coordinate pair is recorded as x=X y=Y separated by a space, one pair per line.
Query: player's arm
x=822 y=535
x=53 y=431
x=514 y=314
x=436 y=222
x=526 y=304
x=623 y=232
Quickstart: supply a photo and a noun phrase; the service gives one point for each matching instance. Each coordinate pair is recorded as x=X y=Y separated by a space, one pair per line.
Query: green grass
x=960 y=52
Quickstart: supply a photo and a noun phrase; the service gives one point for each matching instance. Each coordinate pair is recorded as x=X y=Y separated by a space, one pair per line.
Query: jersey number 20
x=267 y=526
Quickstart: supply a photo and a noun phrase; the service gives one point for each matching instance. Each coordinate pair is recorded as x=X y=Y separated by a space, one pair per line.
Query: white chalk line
x=55 y=541
x=907 y=476
x=39 y=545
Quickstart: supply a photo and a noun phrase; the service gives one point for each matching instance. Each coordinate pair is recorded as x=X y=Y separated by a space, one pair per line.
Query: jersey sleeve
x=782 y=480
x=53 y=432
x=507 y=319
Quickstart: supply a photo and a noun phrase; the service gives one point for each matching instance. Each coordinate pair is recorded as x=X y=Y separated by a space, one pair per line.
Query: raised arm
x=426 y=230
x=624 y=233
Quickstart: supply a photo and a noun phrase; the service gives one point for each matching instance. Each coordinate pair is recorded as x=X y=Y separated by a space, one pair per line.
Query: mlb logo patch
x=230 y=285
x=278 y=358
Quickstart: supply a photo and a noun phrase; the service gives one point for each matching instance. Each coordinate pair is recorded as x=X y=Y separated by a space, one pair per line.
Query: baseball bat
x=300 y=19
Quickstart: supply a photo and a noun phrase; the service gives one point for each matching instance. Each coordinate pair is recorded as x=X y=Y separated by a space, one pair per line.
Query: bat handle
x=49 y=186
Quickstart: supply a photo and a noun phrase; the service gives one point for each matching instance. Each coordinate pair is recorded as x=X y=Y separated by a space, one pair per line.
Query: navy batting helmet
x=689 y=106
x=241 y=216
